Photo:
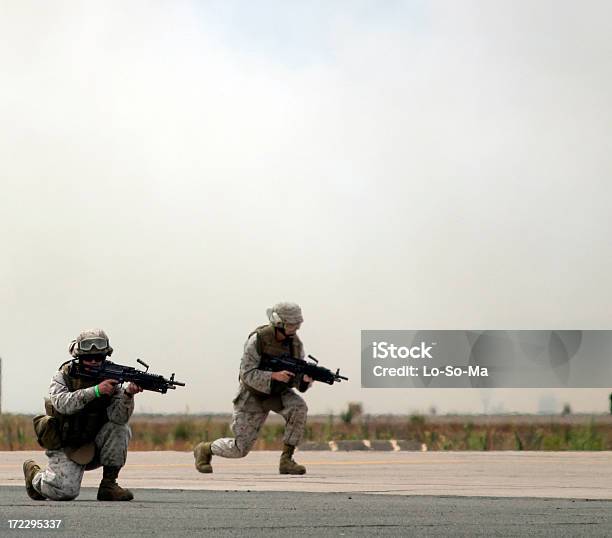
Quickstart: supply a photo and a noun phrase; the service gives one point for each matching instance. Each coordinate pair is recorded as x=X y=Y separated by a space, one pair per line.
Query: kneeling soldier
x=261 y=392
x=85 y=427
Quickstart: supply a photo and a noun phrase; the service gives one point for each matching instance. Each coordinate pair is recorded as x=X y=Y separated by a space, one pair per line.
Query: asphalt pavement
x=350 y=494
x=220 y=513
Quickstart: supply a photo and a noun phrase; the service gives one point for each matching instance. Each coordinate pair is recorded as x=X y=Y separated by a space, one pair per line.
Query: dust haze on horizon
x=172 y=169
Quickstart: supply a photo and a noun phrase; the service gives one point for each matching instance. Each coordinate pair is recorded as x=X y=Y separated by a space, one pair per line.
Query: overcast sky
x=171 y=169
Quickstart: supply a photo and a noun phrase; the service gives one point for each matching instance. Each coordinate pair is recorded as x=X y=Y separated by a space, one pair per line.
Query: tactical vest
x=82 y=427
x=268 y=346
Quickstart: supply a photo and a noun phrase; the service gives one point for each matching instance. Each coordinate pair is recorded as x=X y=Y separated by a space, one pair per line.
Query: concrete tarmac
x=570 y=475
x=349 y=493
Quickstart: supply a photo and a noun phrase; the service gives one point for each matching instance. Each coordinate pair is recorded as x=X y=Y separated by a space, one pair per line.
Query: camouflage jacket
x=68 y=403
x=251 y=376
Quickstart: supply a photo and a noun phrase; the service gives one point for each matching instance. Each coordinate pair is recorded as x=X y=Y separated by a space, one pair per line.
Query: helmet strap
x=281 y=330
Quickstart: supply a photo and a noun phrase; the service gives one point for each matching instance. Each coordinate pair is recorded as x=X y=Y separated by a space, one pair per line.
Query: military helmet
x=90 y=342
x=285 y=312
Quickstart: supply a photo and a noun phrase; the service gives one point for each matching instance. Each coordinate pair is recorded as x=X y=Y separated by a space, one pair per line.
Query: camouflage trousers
x=247 y=423
x=61 y=480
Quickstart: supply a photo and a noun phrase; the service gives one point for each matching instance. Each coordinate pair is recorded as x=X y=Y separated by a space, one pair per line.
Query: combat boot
x=203 y=454
x=287 y=464
x=30 y=469
x=109 y=490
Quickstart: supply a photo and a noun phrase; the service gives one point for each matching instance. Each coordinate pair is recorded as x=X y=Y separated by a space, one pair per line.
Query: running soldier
x=261 y=392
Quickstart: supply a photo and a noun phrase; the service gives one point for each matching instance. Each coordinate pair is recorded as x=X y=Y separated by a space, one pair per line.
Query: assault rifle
x=110 y=370
x=299 y=366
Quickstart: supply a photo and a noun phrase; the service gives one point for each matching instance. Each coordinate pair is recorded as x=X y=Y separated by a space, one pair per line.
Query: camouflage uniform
x=251 y=410
x=61 y=480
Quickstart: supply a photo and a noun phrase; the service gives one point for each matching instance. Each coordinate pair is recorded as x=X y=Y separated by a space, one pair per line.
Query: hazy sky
x=171 y=169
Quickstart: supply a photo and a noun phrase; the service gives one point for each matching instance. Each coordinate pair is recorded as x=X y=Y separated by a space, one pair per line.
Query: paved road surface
x=491 y=474
x=216 y=513
x=351 y=494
